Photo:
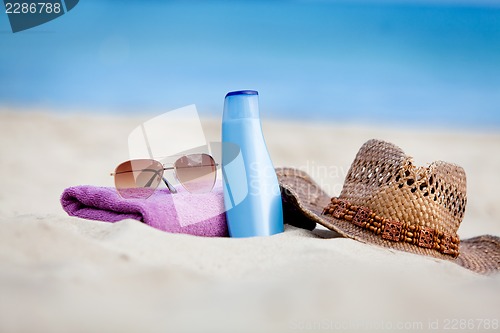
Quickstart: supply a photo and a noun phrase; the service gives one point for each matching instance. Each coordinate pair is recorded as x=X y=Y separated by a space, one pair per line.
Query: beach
x=65 y=274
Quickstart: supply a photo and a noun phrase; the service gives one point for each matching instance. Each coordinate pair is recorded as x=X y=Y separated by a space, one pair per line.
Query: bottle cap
x=242 y=92
x=241 y=104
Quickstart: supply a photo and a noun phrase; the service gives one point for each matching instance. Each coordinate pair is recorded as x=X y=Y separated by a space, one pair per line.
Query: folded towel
x=183 y=212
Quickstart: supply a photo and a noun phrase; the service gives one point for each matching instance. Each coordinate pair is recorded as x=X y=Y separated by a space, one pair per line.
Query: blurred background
x=418 y=63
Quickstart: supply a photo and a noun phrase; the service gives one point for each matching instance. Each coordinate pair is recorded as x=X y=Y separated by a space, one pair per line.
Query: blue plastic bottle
x=251 y=191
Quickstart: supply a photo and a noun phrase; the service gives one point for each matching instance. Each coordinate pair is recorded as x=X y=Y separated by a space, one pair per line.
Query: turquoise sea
x=423 y=63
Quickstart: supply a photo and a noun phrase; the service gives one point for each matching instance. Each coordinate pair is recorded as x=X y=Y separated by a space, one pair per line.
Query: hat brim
x=303 y=196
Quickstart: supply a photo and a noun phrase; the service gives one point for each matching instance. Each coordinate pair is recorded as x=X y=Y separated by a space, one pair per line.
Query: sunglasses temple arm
x=170 y=187
x=148 y=184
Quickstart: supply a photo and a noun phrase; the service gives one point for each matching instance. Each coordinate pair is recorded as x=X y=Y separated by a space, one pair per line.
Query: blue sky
x=352 y=61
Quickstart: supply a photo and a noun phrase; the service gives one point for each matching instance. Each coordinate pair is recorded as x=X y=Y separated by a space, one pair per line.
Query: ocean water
x=419 y=63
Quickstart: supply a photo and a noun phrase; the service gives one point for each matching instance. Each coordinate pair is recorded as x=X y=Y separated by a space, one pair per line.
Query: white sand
x=63 y=274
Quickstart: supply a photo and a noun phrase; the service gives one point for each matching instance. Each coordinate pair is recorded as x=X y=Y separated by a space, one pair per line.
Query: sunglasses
x=140 y=178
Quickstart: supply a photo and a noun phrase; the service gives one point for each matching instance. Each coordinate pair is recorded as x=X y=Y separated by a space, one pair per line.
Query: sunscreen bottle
x=252 y=195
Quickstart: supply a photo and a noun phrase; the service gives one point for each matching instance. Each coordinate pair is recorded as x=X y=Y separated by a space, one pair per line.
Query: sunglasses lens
x=138 y=178
x=196 y=172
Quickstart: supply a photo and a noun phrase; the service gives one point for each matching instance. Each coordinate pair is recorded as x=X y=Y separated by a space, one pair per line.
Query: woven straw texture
x=383 y=179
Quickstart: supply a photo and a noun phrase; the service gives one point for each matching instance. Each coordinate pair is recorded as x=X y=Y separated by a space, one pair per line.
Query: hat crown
x=384 y=179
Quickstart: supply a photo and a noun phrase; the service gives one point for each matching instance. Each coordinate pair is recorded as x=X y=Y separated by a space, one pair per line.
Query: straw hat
x=388 y=201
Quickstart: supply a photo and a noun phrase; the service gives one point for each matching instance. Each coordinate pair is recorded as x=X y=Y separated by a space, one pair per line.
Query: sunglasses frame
x=170 y=187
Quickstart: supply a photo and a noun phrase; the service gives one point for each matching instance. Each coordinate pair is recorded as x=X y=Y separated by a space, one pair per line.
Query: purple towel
x=183 y=212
